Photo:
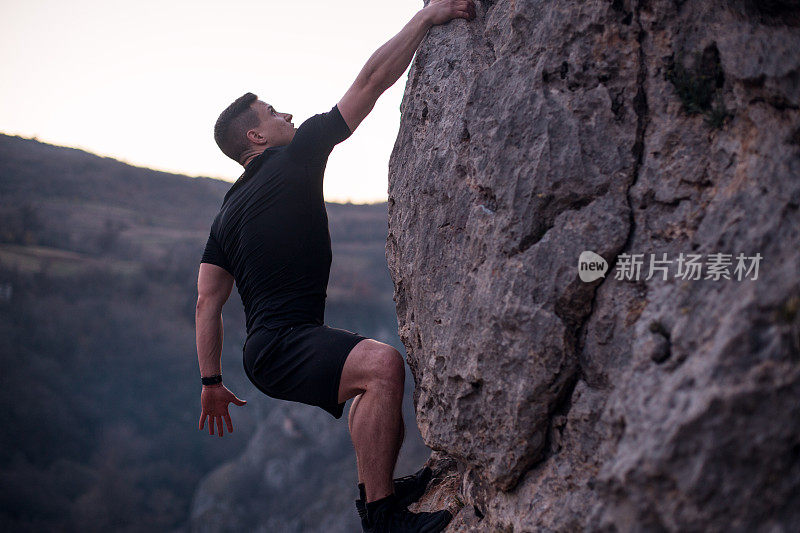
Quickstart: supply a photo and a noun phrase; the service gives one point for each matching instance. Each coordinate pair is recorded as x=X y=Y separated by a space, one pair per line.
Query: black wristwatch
x=211 y=380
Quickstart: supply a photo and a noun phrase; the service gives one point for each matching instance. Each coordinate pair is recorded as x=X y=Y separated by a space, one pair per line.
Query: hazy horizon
x=335 y=201
x=144 y=83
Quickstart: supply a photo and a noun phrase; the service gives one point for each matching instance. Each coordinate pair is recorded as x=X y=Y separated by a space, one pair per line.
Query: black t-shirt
x=271 y=232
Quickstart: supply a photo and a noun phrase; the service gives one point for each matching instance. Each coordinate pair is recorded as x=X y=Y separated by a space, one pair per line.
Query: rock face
x=653 y=402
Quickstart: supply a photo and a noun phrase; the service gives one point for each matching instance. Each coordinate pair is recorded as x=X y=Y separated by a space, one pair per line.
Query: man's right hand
x=442 y=11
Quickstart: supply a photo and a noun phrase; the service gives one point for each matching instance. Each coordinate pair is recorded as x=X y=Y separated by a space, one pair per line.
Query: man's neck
x=249 y=155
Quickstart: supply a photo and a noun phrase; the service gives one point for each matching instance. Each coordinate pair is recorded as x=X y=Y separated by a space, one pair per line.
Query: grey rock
x=538 y=131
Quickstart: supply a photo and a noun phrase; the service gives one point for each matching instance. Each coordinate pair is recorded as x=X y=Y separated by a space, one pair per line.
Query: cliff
x=541 y=130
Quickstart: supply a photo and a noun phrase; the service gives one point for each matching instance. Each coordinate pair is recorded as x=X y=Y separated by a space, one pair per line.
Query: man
x=271 y=237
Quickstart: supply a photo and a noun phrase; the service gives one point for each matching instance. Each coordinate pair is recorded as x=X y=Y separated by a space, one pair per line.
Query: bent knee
x=387 y=367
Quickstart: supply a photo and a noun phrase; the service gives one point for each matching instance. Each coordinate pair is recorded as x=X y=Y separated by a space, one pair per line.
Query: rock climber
x=271 y=237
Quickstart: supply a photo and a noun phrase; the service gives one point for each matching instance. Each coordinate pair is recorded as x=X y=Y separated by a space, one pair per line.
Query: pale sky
x=145 y=81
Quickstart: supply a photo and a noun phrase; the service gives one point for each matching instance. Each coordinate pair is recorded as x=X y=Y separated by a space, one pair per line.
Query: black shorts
x=301 y=363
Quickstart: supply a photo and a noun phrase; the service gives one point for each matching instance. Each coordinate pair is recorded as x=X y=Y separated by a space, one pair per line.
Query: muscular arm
x=388 y=62
x=214 y=285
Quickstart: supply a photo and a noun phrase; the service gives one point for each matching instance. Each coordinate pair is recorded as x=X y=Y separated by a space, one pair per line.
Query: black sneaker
x=391 y=518
x=408 y=488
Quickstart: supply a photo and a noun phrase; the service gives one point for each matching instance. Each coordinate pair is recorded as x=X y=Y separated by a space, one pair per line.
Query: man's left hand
x=214 y=400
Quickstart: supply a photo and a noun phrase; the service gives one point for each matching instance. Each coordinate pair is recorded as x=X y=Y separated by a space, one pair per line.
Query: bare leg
x=353 y=406
x=350 y=427
x=375 y=436
x=375 y=371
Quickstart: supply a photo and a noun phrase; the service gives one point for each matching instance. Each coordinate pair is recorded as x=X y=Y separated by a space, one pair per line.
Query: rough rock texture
x=543 y=129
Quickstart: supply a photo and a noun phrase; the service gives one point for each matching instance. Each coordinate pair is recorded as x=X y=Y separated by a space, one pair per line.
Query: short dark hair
x=231 y=128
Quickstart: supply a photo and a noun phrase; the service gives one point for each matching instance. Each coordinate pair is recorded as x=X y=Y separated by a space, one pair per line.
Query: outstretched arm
x=389 y=61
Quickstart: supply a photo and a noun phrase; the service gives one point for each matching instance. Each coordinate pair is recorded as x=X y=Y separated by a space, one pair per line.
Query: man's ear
x=255 y=137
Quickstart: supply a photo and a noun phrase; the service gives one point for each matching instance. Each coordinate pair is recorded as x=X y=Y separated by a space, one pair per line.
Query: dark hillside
x=98 y=270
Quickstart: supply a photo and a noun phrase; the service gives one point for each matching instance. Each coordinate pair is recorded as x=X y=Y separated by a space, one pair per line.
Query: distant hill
x=98 y=272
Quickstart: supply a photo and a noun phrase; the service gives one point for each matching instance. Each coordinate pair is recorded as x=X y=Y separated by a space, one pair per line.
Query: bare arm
x=389 y=61
x=214 y=285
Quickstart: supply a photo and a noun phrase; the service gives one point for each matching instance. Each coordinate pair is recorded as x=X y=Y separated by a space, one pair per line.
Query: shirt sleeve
x=315 y=138
x=213 y=254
